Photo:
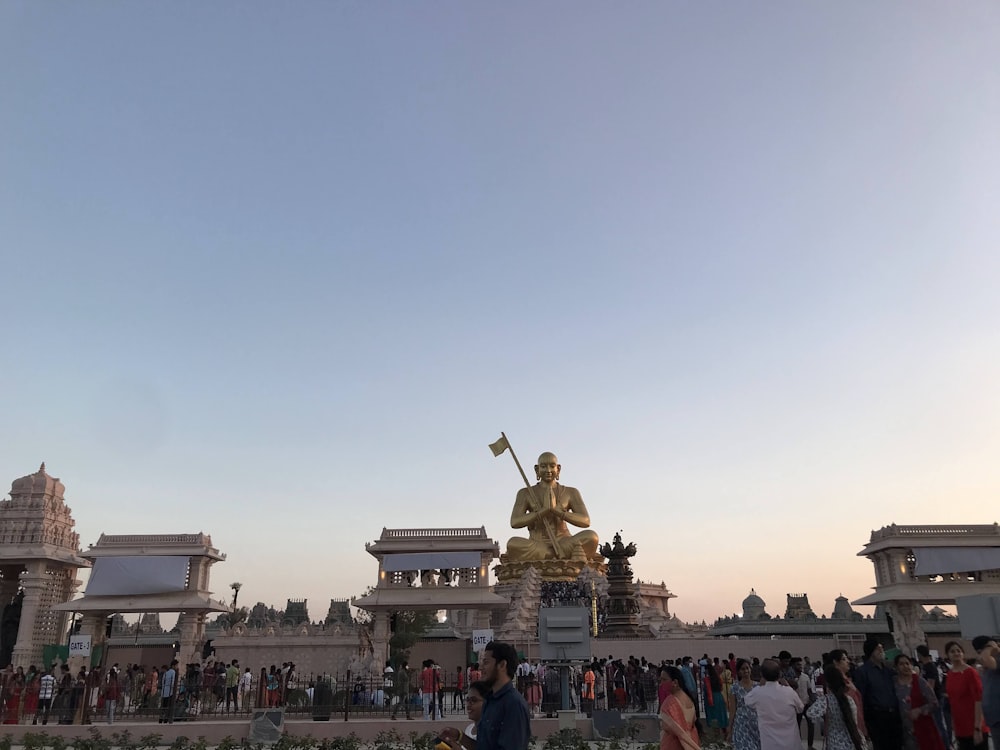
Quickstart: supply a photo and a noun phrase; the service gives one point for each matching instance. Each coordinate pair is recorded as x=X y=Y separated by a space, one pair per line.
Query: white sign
x=79 y=645
x=480 y=638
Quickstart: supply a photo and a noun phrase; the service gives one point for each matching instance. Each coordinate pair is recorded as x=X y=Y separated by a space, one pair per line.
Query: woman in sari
x=12 y=693
x=31 y=687
x=916 y=707
x=716 y=715
x=678 y=714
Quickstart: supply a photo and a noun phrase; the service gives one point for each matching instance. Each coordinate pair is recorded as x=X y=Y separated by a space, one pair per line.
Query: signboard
x=79 y=645
x=480 y=638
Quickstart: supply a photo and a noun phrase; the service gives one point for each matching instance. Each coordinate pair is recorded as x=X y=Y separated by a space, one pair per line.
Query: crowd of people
x=166 y=692
x=908 y=704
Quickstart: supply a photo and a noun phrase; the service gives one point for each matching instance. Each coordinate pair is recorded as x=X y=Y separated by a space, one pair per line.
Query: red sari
x=924 y=729
x=12 y=698
x=31 y=695
x=672 y=708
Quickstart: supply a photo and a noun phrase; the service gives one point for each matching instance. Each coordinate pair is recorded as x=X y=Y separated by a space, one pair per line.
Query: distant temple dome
x=842 y=609
x=753 y=607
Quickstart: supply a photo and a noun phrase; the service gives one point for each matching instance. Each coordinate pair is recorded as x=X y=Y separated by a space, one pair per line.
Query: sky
x=280 y=272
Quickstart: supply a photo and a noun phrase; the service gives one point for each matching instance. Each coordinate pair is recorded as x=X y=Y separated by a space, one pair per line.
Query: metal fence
x=318 y=696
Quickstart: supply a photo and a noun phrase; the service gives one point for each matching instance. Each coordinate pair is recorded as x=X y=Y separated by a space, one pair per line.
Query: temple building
x=39 y=560
x=431 y=569
x=142 y=573
x=931 y=564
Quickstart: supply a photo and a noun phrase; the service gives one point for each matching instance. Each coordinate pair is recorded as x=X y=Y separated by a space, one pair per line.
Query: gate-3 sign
x=79 y=645
x=480 y=638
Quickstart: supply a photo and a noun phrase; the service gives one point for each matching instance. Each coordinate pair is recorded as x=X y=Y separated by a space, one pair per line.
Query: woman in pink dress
x=678 y=714
x=12 y=697
x=32 y=685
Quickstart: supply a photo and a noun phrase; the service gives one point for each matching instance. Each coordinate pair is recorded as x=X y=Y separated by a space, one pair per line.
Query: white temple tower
x=39 y=559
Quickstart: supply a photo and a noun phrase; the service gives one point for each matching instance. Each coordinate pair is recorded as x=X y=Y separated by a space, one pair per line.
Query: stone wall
x=317 y=653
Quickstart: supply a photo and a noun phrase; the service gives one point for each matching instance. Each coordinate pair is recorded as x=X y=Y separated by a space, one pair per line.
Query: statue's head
x=547 y=469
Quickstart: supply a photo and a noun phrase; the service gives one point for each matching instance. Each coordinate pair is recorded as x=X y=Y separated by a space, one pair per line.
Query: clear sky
x=281 y=271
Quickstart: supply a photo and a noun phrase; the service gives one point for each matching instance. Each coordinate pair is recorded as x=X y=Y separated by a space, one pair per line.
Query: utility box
x=564 y=634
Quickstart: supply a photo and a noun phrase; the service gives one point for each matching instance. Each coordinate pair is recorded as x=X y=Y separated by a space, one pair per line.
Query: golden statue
x=546 y=509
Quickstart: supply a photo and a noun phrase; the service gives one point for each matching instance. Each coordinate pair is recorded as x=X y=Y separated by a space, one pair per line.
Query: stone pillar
x=381 y=636
x=33 y=581
x=906 y=626
x=192 y=637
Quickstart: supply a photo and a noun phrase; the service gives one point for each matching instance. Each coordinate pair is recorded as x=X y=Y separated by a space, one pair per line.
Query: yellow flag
x=499 y=446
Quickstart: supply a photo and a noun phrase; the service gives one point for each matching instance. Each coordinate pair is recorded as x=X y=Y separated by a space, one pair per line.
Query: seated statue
x=545 y=510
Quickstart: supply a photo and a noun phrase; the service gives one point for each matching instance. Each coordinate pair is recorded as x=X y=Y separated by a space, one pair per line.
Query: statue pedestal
x=549 y=570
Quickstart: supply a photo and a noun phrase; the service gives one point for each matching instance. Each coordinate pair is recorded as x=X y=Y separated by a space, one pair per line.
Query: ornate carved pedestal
x=549 y=570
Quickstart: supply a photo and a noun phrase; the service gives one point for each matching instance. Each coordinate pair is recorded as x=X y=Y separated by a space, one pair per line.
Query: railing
x=129 y=539
x=468 y=533
x=324 y=696
x=887 y=532
x=370 y=697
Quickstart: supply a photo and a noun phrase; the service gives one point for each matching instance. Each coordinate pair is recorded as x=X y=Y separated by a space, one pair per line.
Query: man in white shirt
x=46 y=690
x=803 y=686
x=778 y=707
x=246 y=680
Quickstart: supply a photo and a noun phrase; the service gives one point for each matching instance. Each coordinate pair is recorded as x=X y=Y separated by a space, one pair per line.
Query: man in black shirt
x=877 y=682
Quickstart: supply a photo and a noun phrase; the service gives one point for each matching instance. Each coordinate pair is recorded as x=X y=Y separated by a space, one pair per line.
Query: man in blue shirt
x=505 y=724
x=989 y=657
x=167 y=690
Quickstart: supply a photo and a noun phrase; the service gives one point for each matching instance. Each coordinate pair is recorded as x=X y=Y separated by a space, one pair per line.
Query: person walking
x=505 y=724
x=777 y=707
x=837 y=712
x=401 y=689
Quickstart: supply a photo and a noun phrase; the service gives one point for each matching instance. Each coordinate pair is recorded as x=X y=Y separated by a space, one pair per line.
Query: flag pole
x=531 y=492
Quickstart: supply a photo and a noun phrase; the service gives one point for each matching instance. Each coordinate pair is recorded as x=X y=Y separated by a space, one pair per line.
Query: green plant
x=423 y=741
x=150 y=741
x=565 y=739
x=123 y=740
x=34 y=740
x=227 y=743
x=181 y=743
x=6 y=741
x=98 y=741
x=350 y=742
x=57 y=742
x=388 y=740
x=200 y=744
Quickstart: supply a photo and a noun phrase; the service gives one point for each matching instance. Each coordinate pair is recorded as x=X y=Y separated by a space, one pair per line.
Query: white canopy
x=152 y=574
x=943 y=560
x=432 y=561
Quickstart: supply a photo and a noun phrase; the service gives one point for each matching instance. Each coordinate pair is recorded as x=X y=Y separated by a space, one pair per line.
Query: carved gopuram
x=39 y=560
x=150 y=573
x=932 y=564
x=430 y=570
